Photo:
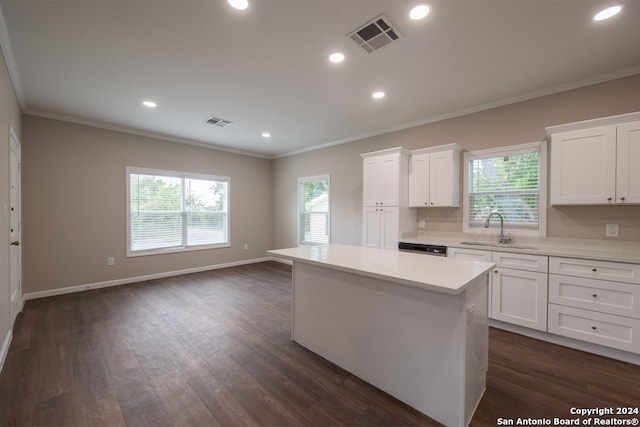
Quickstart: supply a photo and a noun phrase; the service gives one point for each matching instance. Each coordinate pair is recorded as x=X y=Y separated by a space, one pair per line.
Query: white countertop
x=602 y=250
x=440 y=274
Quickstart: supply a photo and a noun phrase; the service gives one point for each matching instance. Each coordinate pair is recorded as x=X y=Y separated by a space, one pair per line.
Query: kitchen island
x=414 y=326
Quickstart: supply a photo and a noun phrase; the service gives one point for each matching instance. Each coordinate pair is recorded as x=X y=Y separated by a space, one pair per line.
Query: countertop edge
x=394 y=279
x=556 y=247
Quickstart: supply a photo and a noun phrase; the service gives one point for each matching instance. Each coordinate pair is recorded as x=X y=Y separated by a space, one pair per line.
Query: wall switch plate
x=246 y=246
x=612 y=230
x=111 y=261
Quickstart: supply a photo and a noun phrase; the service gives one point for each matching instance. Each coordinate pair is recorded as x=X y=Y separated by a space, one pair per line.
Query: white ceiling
x=266 y=68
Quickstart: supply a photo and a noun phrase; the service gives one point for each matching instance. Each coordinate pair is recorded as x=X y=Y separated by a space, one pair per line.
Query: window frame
x=541 y=148
x=302 y=180
x=183 y=175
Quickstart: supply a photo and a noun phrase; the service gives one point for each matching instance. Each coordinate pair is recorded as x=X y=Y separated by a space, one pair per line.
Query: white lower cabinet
x=588 y=300
x=584 y=306
x=609 y=330
x=518 y=286
x=380 y=227
x=519 y=297
x=621 y=299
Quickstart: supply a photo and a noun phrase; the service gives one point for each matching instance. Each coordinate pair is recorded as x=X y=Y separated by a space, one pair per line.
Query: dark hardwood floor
x=214 y=349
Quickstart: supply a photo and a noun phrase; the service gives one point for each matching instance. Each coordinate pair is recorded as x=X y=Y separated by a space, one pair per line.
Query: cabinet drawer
x=472 y=254
x=521 y=261
x=599 y=328
x=598 y=295
x=616 y=271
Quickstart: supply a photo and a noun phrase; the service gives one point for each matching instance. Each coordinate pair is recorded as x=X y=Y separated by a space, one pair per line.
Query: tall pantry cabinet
x=385 y=190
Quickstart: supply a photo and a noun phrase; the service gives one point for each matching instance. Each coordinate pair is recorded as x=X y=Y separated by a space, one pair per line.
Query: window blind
x=508 y=184
x=168 y=211
x=314 y=210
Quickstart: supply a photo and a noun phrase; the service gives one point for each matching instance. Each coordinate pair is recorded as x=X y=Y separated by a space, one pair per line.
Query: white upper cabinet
x=593 y=165
x=434 y=176
x=628 y=163
x=383 y=178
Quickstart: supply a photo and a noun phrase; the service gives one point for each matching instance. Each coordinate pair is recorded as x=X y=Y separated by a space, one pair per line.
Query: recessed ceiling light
x=266 y=135
x=149 y=104
x=239 y=4
x=607 y=13
x=377 y=95
x=419 y=11
x=336 y=57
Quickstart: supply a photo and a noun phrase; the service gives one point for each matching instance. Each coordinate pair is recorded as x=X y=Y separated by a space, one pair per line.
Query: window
x=510 y=181
x=174 y=211
x=313 y=202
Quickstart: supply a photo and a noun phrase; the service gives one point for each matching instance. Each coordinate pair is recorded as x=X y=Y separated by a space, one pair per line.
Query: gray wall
x=513 y=124
x=74 y=203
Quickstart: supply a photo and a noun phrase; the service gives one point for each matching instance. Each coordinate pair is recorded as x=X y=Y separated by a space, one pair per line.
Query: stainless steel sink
x=499 y=245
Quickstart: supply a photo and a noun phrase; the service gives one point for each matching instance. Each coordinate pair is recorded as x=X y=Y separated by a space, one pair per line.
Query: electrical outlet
x=111 y=261
x=611 y=230
x=471 y=311
x=422 y=223
x=246 y=246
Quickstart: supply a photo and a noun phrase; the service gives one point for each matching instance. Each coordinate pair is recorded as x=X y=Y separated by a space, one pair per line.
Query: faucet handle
x=506 y=238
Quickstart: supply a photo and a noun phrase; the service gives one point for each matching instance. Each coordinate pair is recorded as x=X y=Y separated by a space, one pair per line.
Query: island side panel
x=407 y=341
x=477 y=343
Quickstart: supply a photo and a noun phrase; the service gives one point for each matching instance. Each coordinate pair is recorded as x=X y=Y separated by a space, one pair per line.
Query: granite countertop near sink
x=602 y=250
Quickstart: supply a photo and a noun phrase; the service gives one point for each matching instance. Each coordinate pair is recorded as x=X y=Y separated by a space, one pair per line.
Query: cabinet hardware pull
x=595 y=295
x=593 y=327
x=495 y=271
x=594 y=269
x=622 y=199
x=609 y=198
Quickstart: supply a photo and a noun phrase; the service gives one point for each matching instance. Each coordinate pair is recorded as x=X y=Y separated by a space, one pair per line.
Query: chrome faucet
x=502 y=238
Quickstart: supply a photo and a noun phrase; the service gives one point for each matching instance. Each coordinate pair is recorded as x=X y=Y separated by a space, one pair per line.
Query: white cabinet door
x=519 y=297
x=389 y=221
x=380 y=227
x=443 y=182
x=370 y=227
x=381 y=180
x=434 y=178
x=628 y=172
x=419 y=180
x=583 y=166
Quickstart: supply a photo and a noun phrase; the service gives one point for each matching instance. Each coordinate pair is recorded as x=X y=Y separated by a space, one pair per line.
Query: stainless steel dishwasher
x=422 y=248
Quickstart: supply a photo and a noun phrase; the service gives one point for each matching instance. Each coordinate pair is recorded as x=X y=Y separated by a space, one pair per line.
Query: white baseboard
x=5 y=348
x=588 y=347
x=117 y=282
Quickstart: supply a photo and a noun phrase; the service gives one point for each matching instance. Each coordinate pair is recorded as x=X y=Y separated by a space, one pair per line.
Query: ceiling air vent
x=217 y=121
x=375 y=34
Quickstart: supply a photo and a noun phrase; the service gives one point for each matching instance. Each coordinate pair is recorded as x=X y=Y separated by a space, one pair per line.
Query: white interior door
x=15 y=271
